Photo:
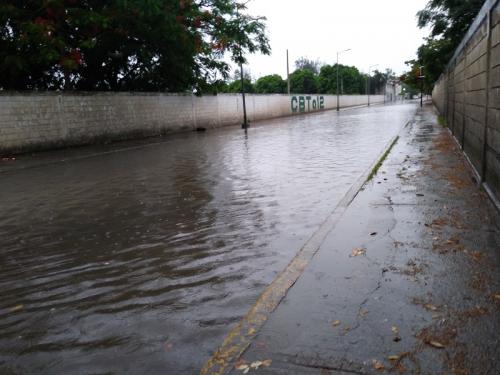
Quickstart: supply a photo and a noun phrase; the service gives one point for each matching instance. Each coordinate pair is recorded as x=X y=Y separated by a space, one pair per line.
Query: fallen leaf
x=377 y=365
x=357 y=251
x=240 y=362
x=393 y=357
x=255 y=365
x=394 y=329
x=396 y=339
x=436 y=344
x=335 y=323
x=16 y=308
x=251 y=331
x=431 y=307
x=243 y=367
x=363 y=313
x=373 y=233
x=267 y=362
x=346 y=330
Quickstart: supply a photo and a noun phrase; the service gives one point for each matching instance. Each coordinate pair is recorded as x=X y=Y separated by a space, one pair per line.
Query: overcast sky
x=380 y=32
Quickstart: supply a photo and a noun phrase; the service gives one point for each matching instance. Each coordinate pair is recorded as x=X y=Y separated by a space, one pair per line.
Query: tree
x=433 y=55
x=378 y=81
x=305 y=63
x=167 y=45
x=271 y=84
x=448 y=20
x=235 y=86
x=351 y=81
x=303 y=81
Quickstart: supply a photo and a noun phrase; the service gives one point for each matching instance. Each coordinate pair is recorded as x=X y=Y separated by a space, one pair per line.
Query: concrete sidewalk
x=408 y=281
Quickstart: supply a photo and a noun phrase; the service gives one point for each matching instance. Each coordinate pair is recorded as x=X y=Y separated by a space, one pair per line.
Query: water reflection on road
x=141 y=260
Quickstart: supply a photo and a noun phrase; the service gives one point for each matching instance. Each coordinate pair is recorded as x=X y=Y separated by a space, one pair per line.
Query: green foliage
x=378 y=81
x=235 y=86
x=303 y=81
x=271 y=84
x=433 y=55
x=448 y=20
x=146 y=45
x=351 y=81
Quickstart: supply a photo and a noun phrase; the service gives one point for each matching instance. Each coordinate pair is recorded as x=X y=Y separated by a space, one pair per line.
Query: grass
x=442 y=121
x=381 y=160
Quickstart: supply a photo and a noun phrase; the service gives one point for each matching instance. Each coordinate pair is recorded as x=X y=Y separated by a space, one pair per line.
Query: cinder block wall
x=36 y=121
x=468 y=96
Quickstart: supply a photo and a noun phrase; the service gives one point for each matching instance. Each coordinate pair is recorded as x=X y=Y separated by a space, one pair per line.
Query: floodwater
x=141 y=259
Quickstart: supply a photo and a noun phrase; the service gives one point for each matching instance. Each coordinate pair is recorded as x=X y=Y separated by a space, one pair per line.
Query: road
x=140 y=257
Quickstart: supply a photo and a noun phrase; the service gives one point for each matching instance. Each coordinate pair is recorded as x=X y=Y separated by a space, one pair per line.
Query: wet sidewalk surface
x=408 y=280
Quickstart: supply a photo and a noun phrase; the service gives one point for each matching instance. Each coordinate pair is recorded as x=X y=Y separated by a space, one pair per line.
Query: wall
x=468 y=96
x=35 y=121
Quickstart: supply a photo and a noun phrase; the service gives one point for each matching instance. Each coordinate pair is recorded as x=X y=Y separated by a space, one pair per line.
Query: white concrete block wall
x=30 y=121
x=468 y=95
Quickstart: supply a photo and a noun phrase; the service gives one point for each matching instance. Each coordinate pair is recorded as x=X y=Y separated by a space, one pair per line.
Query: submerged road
x=140 y=257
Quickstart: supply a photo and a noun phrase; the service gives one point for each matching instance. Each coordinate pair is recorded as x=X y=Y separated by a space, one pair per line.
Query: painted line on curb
x=240 y=337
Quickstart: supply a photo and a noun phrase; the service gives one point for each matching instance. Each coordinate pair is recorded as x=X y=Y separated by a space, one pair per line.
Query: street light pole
x=368 y=82
x=338 y=101
x=287 y=73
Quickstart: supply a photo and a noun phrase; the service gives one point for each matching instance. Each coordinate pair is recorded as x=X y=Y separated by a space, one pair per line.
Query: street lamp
x=368 y=82
x=338 y=53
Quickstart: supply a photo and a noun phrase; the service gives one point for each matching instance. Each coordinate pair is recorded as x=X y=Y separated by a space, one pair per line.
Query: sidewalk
x=408 y=281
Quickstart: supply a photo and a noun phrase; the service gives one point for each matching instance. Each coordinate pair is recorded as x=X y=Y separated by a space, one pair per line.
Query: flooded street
x=140 y=260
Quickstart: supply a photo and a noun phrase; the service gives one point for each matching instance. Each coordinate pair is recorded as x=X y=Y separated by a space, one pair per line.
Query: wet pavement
x=140 y=257
x=407 y=282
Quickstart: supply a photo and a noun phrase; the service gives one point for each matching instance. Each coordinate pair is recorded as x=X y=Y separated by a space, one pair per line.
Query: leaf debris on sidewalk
x=357 y=251
x=244 y=367
x=377 y=365
x=435 y=344
x=336 y=323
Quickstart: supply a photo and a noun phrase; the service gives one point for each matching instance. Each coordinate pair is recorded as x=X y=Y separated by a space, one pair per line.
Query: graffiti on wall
x=307 y=103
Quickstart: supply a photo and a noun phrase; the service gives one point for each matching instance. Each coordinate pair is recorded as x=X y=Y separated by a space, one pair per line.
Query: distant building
x=393 y=91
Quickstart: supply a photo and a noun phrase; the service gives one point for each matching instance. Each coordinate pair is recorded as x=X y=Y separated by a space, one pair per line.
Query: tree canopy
x=271 y=84
x=305 y=63
x=143 y=45
x=448 y=20
x=351 y=81
x=303 y=81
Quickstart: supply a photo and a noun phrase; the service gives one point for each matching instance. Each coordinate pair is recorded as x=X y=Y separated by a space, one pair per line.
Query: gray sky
x=380 y=32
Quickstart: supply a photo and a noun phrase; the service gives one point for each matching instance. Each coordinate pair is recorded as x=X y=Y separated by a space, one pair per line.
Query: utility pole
x=338 y=98
x=287 y=73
